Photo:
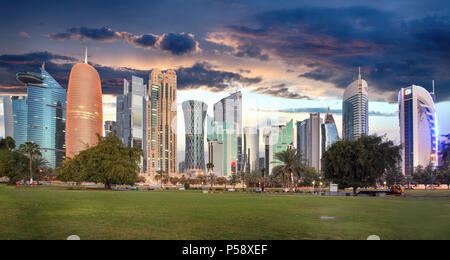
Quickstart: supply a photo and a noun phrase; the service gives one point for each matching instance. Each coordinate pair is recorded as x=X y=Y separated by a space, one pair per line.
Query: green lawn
x=52 y=213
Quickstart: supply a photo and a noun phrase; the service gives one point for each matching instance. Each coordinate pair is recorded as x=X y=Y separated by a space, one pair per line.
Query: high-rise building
x=330 y=133
x=84 y=108
x=20 y=118
x=316 y=141
x=131 y=108
x=229 y=110
x=46 y=114
x=251 y=149
x=194 y=120
x=222 y=147
x=161 y=122
x=418 y=128
x=277 y=139
x=181 y=167
x=304 y=140
x=8 y=117
x=355 y=110
x=110 y=128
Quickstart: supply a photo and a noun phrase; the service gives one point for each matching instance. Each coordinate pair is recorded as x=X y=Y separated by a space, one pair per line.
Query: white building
x=251 y=149
x=418 y=128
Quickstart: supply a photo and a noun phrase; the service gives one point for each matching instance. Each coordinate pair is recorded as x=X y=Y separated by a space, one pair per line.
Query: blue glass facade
x=46 y=115
x=20 y=118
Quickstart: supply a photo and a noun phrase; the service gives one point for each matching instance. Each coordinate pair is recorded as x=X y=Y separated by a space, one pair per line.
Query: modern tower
x=110 y=128
x=251 y=149
x=222 y=147
x=229 y=111
x=194 y=120
x=162 y=123
x=131 y=108
x=46 y=114
x=84 y=108
x=355 y=110
x=304 y=140
x=8 y=116
x=20 y=118
x=316 y=141
x=418 y=128
x=277 y=139
x=330 y=133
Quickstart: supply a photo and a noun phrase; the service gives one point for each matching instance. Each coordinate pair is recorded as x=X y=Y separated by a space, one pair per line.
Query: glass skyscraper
x=330 y=133
x=20 y=119
x=130 y=115
x=418 y=128
x=222 y=147
x=8 y=117
x=355 y=110
x=251 y=149
x=194 y=120
x=46 y=114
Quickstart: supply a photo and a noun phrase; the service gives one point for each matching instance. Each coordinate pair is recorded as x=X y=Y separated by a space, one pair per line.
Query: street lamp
x=385 y=184
x=313 y=183
x=320 y=188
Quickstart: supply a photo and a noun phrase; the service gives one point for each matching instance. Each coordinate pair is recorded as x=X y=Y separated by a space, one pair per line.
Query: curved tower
x=355 y=110
x=418 y=128
x=194 y=120
x=84 y=108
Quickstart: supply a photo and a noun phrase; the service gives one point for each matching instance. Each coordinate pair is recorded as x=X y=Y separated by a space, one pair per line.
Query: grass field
x=56 y=213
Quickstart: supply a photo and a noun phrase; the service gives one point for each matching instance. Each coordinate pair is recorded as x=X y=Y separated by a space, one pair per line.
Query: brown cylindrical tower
x=84 y=109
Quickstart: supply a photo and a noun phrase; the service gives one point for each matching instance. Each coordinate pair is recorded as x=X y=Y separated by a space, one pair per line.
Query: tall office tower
x=8 y=116
x=222 y=147
x=181 y=167
x=251 y=149
x=418 y=128
x=355 y=110
x=304 y=140
x=161 y=122
x=20 y=119
x=84 y=108
x=46 y=115
x=277 y=139
x=229 y=110
x=330 y=133
x=130 y=115
x=316 y=141
x=194 y=121
x=110 y=128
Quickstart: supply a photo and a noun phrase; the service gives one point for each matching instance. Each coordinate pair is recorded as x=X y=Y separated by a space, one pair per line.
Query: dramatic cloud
x=333 y=42
x=174 y=43
x=323 y=110
x=280 y=90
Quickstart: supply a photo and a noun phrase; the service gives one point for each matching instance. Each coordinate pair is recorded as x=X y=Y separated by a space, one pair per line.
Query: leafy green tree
x=310 y=176
x=210 y=167
x=31 y=149
x=359 y=163
x=394 y=176
x=234 y=180
x=8 y=143
x=160 y=176
x=291 y=166
x=425 y=175
x=109 y=162
x=13 y=164
x=444 y=175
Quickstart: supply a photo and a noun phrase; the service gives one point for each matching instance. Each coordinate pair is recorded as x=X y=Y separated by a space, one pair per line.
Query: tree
x=13 y=164
x=359 y=163
x=160 y=176
x=109 y=162
x=30 y=149
x=234 y=180
x=444 y=175
x=291 y=166
x=394 y=176
x=210 y=167
x=310 y=176
x=211 y=179
x=425 y=176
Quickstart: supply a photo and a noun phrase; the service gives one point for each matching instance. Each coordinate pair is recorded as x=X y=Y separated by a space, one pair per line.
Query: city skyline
x=324 y=44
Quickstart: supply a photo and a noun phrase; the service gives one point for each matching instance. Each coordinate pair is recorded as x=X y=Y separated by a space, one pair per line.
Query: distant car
x=133 y=188
x=258 y=190
x=182 y=188
x=151 y=188
x=231 y=190
x=286 y=190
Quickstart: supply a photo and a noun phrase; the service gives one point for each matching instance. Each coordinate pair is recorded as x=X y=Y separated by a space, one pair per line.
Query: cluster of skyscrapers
x=65 y=122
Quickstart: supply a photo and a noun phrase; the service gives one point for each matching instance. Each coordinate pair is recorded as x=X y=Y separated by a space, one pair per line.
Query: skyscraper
x=46 y=115
x=222 y=147
x=161 y=122
x=418 y=128
x=251 y=149
x=355 y=110
x=110 y=128
x=277 y=139
x=304 y=140
x=316 y=141
x=8 y=117
x=330 y=133
x=20 y=118
x=84 y=108
x=229 y=110
x=194 y=120
x=130 y=115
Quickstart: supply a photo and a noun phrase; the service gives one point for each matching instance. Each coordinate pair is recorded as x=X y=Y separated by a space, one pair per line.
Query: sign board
x=333 y=188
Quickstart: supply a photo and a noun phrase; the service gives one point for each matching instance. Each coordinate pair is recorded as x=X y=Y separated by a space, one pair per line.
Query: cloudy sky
x=293 y=56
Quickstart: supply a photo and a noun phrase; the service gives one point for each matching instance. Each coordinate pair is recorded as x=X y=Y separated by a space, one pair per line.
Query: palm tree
x=210 y=167
x=159 y=176
x=30 y=149
x=212 y=179
x=290 y=167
